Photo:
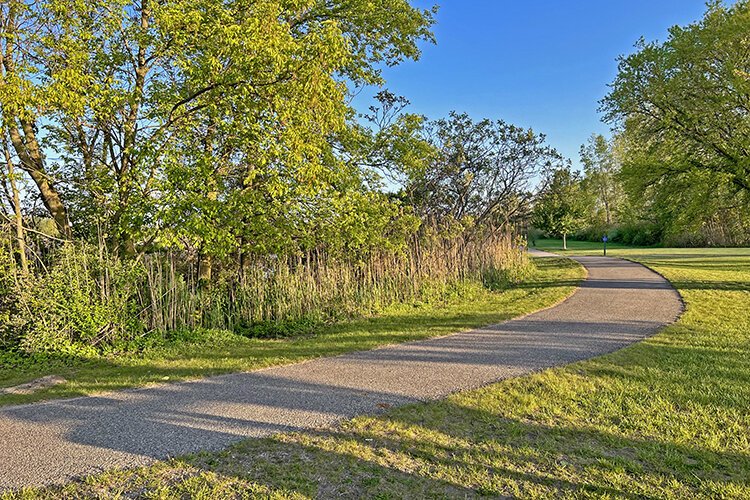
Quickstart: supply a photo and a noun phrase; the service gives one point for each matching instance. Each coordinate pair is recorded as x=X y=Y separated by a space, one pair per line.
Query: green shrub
x=638 y=234
x=82 y=304
x=533 y=235
x=594 y=233
x=279 y=329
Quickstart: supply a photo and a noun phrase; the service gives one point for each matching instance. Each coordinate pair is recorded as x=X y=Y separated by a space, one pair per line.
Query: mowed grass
x=585 y=247
x=665 y=418
x=223 y=352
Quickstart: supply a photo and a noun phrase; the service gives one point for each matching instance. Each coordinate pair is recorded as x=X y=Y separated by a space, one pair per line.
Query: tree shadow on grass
x=718 y=379
x=327 y=464
x=264 y=468
x=525 y=454
x=723 y=285
x=446 y=450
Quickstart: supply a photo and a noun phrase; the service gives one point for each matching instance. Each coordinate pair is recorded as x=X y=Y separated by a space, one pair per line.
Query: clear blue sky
x=542 y=64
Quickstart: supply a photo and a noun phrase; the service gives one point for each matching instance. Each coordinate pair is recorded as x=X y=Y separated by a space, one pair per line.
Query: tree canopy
x=157 y=123
x=480 y=173
x=681 y=111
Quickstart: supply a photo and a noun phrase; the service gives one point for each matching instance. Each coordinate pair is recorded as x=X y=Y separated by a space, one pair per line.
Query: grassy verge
x=668 y=417
x=214 y=353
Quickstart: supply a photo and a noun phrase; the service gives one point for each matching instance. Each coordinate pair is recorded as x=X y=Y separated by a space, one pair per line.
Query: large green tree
x=195 y=123
x=601 y=168
x=682 y=107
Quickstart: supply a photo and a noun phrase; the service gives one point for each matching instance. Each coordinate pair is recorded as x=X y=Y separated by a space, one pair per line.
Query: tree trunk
x=32 y=162
x=130 y=139
x=24 y=141
x=16 y=201
x=607 y=212
x=565 y=241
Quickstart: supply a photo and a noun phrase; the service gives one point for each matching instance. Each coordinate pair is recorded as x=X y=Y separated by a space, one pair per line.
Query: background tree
x=601 y=168
x=388 y=144
x=561 y=205
x=480 y=173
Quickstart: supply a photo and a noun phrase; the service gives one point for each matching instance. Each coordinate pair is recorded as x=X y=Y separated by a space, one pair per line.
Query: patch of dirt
x=34 y=385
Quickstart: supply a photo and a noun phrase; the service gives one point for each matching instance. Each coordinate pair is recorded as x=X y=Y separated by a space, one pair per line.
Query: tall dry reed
x=85 y=298
x=273 y=288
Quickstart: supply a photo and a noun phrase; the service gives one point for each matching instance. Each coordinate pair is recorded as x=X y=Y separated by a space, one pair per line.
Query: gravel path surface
x=541 y=253
x=619 y=303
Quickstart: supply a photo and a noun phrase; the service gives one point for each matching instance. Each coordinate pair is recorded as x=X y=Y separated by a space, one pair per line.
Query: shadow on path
x=620 y=303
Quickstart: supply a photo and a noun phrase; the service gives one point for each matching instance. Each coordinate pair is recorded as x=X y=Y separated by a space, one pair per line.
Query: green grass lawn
x=583 y=247
x=224 y=352
x=665 y=418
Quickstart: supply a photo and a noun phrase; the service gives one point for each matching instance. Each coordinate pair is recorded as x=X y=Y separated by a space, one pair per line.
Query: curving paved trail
x=619 y=303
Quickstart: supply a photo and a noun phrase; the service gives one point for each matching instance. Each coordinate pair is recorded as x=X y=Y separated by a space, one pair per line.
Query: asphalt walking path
x=44 y=443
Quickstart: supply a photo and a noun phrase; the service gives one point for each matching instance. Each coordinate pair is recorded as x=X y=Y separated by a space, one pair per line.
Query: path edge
x=304 y=361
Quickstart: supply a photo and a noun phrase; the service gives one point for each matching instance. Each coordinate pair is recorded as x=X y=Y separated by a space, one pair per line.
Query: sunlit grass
x=665 y=418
